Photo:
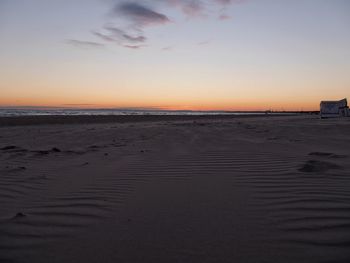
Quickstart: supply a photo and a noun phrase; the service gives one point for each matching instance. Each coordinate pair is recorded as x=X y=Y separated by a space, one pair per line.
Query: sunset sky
x=174 y=54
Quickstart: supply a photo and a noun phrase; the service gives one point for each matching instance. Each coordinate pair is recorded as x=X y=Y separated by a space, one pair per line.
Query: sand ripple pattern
x=310 y=210
x=49 y=214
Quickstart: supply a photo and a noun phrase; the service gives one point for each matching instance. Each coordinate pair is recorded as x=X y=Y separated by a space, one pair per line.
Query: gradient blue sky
x=175 y=54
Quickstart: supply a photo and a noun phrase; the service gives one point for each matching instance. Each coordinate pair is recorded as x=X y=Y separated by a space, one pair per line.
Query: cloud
x=227 y=2
x=191 y=8
x=120 y=37
x=79 y=104
x=195 y=8
x=167 y=48
x=84 y=44
x=140 y=15
x=103 y=36
x=224 y=17
x=224 y=2
x=121 y=34
x=131 y=18
x=133 y=46
x=203 y=43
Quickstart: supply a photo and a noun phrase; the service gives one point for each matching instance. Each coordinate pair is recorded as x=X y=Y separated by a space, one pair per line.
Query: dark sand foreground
x=204 y=189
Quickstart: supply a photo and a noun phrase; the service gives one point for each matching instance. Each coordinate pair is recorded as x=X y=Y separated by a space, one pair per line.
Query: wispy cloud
x=104 y=36
x=227 y=2
x=114 y=34
x=191 y=8
x=140 y=14
x=224 y=17
x=167 y=48
x=84 y=44
x=130 y=18
x=133 y=46
x=203 y=43
x=133 y=19
x=79 y=104
x=195 y=8
x=224 y=2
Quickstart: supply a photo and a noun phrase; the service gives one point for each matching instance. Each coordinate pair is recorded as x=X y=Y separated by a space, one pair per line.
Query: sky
x=174 y=54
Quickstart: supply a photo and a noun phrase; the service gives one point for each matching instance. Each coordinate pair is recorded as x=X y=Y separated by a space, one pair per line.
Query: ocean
x=12 y=112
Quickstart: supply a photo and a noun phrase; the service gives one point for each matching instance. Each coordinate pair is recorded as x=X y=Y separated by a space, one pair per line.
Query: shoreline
x=96 y=119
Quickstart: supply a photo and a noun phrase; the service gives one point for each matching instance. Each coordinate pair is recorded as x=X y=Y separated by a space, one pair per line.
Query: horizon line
x=28 y=107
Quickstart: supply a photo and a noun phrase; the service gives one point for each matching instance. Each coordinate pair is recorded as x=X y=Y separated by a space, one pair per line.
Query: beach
x=174 y=189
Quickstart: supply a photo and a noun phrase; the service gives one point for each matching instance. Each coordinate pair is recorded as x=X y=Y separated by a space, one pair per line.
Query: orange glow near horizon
x=228 y=105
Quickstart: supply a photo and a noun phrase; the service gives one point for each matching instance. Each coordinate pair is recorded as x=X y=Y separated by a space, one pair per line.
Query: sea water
x=12 y=112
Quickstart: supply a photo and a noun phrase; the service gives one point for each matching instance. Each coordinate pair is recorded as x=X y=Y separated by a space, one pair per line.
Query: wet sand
x=175 y=189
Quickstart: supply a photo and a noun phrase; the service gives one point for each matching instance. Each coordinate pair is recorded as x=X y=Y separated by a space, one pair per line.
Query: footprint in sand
x=313 y=166
x=18 y=216
x=11 y=147
x=326 y=154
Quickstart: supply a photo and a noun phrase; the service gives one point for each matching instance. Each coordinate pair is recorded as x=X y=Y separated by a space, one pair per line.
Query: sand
x=161 y=189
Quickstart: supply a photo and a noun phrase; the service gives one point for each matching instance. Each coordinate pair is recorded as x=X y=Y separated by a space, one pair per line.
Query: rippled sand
x=199 y=189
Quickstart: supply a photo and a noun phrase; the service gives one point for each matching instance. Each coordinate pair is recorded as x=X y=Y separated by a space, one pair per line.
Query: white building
x=330 y=109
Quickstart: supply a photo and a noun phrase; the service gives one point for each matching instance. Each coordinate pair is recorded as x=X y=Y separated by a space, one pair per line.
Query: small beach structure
x=331 y=109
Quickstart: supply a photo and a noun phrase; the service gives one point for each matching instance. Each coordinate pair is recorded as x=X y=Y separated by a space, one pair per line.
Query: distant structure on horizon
x=334 y=109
